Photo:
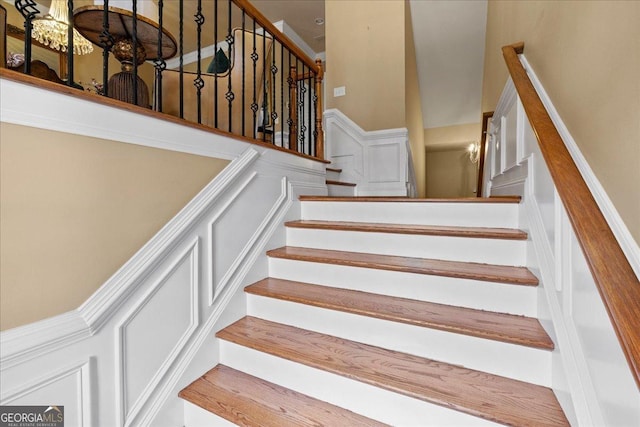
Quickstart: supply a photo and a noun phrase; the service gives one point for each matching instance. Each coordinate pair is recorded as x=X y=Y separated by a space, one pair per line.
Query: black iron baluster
x=181 y=43
x=199 y=82
x=159 y=63
x=289 y=113
x=70 y=43
x=274 y=71
x=265 y=115
x=134 y=37
x=229 y=95
x=281 y=95
x=243 y=67
x=315 y=110
x=302 y=128
x=310 y=127
x=215 y=71
x=106 y=40
x=28 y=9
x=254 y=58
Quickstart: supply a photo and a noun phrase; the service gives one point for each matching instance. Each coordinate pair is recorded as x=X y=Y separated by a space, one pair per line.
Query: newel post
x=319 y=131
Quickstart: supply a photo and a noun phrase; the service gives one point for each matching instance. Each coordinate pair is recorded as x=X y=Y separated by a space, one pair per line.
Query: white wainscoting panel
x=68 y=386
x=379 y=162
x=136 y=339
x=590 y=373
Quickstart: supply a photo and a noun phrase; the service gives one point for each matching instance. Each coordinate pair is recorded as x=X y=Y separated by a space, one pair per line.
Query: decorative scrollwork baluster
x=198 y=81
x=159 y=63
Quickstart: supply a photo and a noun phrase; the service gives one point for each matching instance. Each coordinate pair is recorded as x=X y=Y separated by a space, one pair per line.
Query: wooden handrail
x=616 y=281
x=276 y=33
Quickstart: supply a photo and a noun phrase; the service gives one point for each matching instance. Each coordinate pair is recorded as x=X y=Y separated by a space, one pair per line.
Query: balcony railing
x=219 y=63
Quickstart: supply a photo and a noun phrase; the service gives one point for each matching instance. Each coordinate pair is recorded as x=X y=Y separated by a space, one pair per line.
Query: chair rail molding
x=591 y=377
x=379 y=162
x=139 y=338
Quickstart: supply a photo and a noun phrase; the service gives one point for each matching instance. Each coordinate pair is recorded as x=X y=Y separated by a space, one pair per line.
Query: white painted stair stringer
x=499 y=358
x=482 y=250
x=503 y=215
x=380 y=404
x=499 y=297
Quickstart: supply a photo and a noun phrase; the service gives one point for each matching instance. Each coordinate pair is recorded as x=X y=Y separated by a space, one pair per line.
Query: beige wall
x=452 y=135
x=366 y=54
x=73 y=209
x=587 y=56
x=413 y=106
x=449 y=171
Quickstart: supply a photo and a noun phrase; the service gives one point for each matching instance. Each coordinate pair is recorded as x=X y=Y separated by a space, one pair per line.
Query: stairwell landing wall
x=74 y=209
x=367 y=54
x=587 y=56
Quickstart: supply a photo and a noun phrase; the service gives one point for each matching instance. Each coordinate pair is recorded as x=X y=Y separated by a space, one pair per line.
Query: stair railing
x=270 y=90
x=615 y=279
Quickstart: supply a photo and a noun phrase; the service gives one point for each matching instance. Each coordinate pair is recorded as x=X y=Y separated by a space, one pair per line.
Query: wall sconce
x=474 y=152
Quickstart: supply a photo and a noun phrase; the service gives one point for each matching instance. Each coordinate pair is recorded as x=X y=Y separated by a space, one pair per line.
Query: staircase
x=387 y=311
x=338 y=187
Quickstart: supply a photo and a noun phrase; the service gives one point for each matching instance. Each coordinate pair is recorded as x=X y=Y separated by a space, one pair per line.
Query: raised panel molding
x=69 y=386
x=385 y=160
x=144 y=344
x=211 y=267
x=379 y=162
x=216 y=287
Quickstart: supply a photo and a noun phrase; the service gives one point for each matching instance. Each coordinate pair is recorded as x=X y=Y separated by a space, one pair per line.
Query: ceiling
x=449 y=38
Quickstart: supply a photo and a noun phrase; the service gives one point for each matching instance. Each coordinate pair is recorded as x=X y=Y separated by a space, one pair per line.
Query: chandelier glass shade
x=52 y=30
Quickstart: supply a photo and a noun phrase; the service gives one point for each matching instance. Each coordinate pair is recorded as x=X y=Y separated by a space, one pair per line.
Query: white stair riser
x=333 y=175
x=367 y=400
x=508 y=360
x=195 y=416
x=341 y=190
x=503 y=215
x=500 y=297
x=489 y=251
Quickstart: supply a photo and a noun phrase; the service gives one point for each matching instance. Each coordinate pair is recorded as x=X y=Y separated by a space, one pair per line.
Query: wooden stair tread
x=396 y=199
x=478 y=323
x=477 y=393
x=346 y=184
x=426 y=230
x=336 y=170
x=463 y=270
x=249 y=401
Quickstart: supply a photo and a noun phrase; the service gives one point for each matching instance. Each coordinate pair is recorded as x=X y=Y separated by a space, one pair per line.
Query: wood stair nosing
x=463 y=270
x=488 y=396
x=414 y=229
x=404 y=199
x=249 y=401
x=501 y=327
x=344 y=184
x=336 y=170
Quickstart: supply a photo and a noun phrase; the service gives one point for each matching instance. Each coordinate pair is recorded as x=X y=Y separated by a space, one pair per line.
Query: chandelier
x=52 y=30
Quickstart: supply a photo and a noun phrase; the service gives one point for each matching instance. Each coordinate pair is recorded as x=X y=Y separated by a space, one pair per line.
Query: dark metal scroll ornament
x=198 y=82
x=29 y=10
x=159 y=63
